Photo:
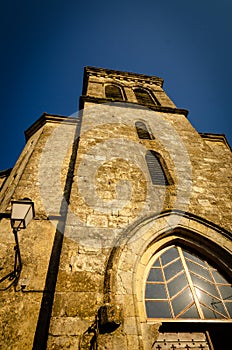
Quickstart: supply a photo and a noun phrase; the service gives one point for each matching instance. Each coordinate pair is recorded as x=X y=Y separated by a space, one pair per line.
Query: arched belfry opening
x=114 y=92
x=144 y=97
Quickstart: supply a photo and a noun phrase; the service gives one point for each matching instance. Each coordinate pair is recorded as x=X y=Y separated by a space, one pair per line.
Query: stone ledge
x=157 y=108
x=45 y=118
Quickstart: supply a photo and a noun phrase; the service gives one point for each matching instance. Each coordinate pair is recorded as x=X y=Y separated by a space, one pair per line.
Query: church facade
x=130 y=245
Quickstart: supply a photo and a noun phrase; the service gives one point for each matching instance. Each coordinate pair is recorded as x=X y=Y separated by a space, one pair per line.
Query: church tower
x=130 y=245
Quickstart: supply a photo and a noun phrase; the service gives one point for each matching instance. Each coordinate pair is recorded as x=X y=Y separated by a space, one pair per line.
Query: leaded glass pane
x=204 y=285
x=194 y=258
x=180 y=302
x=198 y=269
x=218 y=306
x=177 y=284
x=226 y=292
x=210 y=313
x=155 y=291
x=156 y=263
x=229 y=307
x=169 y=255
x=159 y=309
x=205 y=298
x=218 y=277
x=191 y=312
x=209 y=300
x=172 y=269
x=155 y=275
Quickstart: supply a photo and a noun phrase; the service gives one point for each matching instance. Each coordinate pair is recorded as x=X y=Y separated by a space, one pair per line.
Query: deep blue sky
x=46 y=44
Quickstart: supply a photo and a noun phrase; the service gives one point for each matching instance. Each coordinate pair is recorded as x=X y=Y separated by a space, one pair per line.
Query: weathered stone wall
x=102 y=214
x=98 y=218
x=20 y=308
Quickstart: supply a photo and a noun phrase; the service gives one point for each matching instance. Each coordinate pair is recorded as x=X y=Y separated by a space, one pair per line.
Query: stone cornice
x=45 y=118
x=157 y=108
x=110 y=73
x=216 y=138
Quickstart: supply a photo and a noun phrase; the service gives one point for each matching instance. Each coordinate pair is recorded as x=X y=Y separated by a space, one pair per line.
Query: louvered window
x=143 y=97
x=142 y=131
x=113 y=92
x=155 y=168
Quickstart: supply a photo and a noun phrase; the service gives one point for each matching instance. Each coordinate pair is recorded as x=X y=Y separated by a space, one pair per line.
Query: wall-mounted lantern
x=22 y=212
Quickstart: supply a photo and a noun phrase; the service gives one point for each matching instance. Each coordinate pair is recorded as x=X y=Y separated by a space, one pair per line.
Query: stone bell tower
x=130 y=247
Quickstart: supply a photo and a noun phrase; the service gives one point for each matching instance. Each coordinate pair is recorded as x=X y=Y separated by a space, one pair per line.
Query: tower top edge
x=101 y=72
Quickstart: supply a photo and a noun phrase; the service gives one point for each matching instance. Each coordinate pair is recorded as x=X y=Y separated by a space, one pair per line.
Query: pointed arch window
x=155 y=168
x=143 y=97
x=181 y=285
x=142 y=131
x=114 y=92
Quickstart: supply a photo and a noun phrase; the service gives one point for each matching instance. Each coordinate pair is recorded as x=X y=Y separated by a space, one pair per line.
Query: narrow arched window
x=143 y=97
x=181 y=285
x=155 y=168
x=142 y=131
x=113 y=92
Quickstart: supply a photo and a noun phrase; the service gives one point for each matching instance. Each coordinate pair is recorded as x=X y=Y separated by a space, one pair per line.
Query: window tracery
x=181 y=285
